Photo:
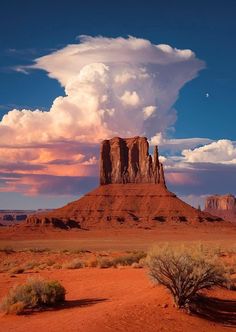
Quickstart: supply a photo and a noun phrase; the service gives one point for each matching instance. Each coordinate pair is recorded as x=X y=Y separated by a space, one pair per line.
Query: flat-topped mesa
x=221 y=203
x=127 y=160
x=223 y=206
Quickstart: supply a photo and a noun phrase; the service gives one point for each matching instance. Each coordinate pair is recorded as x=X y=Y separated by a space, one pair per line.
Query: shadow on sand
x=214 y=309
x=66 y=305
x=79 y=303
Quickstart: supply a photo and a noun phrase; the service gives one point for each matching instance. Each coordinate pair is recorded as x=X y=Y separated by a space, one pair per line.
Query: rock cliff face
x=223 y=206
x=127 y=160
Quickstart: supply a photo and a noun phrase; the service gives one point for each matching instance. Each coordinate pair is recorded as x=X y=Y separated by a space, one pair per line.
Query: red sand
x=114 y=239
x=119 y=300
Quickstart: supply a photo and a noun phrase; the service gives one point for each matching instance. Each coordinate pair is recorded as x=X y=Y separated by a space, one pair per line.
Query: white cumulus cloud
x=130 y=98
x=113 y=87
x=222 y=151
x=148 y=111
x=178 y=144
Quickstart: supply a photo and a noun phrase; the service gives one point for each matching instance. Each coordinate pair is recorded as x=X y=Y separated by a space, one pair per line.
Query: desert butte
x=129 y=212
x=131 y=209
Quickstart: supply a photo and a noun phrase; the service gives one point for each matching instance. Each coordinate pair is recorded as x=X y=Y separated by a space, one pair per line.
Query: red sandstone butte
x=132 y=193
x=223 y=206
x=128 y=161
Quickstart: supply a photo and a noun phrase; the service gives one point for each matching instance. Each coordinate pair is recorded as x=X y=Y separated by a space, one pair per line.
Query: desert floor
x=112 y=299
x=116 y=239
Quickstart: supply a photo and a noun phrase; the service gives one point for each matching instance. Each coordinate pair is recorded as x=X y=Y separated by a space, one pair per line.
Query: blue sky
x=31 y=29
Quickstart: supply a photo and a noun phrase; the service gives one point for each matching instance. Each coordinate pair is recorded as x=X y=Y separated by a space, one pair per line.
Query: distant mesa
x=132 y=194
x=11 y=217
x=223 y=206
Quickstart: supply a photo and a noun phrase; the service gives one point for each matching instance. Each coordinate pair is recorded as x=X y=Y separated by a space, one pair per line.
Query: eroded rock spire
x=127 y=160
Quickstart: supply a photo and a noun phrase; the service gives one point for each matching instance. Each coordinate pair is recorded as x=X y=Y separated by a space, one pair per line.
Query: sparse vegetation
x=74 y=264
x=7 y=250
x=36 y=293
x=17 y=270
x=92 y=262
x=30 y=265
x=184 y=271
x=104 y=263
x=38 y=250
x=125 y=260
x=129 y=259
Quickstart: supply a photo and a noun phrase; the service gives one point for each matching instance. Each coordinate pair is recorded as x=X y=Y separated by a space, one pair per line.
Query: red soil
x=115 y=239
x=119 y=300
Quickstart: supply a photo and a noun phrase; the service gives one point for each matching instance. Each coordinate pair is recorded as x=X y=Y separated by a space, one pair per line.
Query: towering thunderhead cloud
x=127 y=160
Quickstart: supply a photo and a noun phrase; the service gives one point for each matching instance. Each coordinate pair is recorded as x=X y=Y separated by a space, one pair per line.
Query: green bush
x=184 y=271
x=35 y=293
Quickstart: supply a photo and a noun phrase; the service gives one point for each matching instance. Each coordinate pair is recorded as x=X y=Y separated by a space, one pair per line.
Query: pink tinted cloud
x=31 y=170
x=32 y=185
x=176 y=178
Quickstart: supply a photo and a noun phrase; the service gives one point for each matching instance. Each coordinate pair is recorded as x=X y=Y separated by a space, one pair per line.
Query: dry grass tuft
x=74 y=264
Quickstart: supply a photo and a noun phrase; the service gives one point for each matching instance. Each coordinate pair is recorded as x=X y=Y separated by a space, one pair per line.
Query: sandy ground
x=116 y=239
x=109 y=300
x=122 y=299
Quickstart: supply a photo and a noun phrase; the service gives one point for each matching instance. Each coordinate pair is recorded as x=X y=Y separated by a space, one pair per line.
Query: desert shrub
x=78 y=251
x=38 y=250
x=17 y=270
x=126 y=260
x=129 y=259
x=8 y=265
x=42 y=266
x=35 y=293
x=184 y=271
x=50 y=262
x=92 y=262
x=31 y=265
x=7 y=250
x=104 y=263
x=57 y=266
x=232 y=284
x=74 y=264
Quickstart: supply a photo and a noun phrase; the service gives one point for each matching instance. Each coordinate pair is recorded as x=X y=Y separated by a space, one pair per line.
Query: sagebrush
x=34 y=293
x=184 y=271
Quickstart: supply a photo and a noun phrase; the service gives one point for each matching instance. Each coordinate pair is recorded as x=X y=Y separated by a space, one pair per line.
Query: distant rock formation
x=223 y=206
x=9 y=217
x=127 y=160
